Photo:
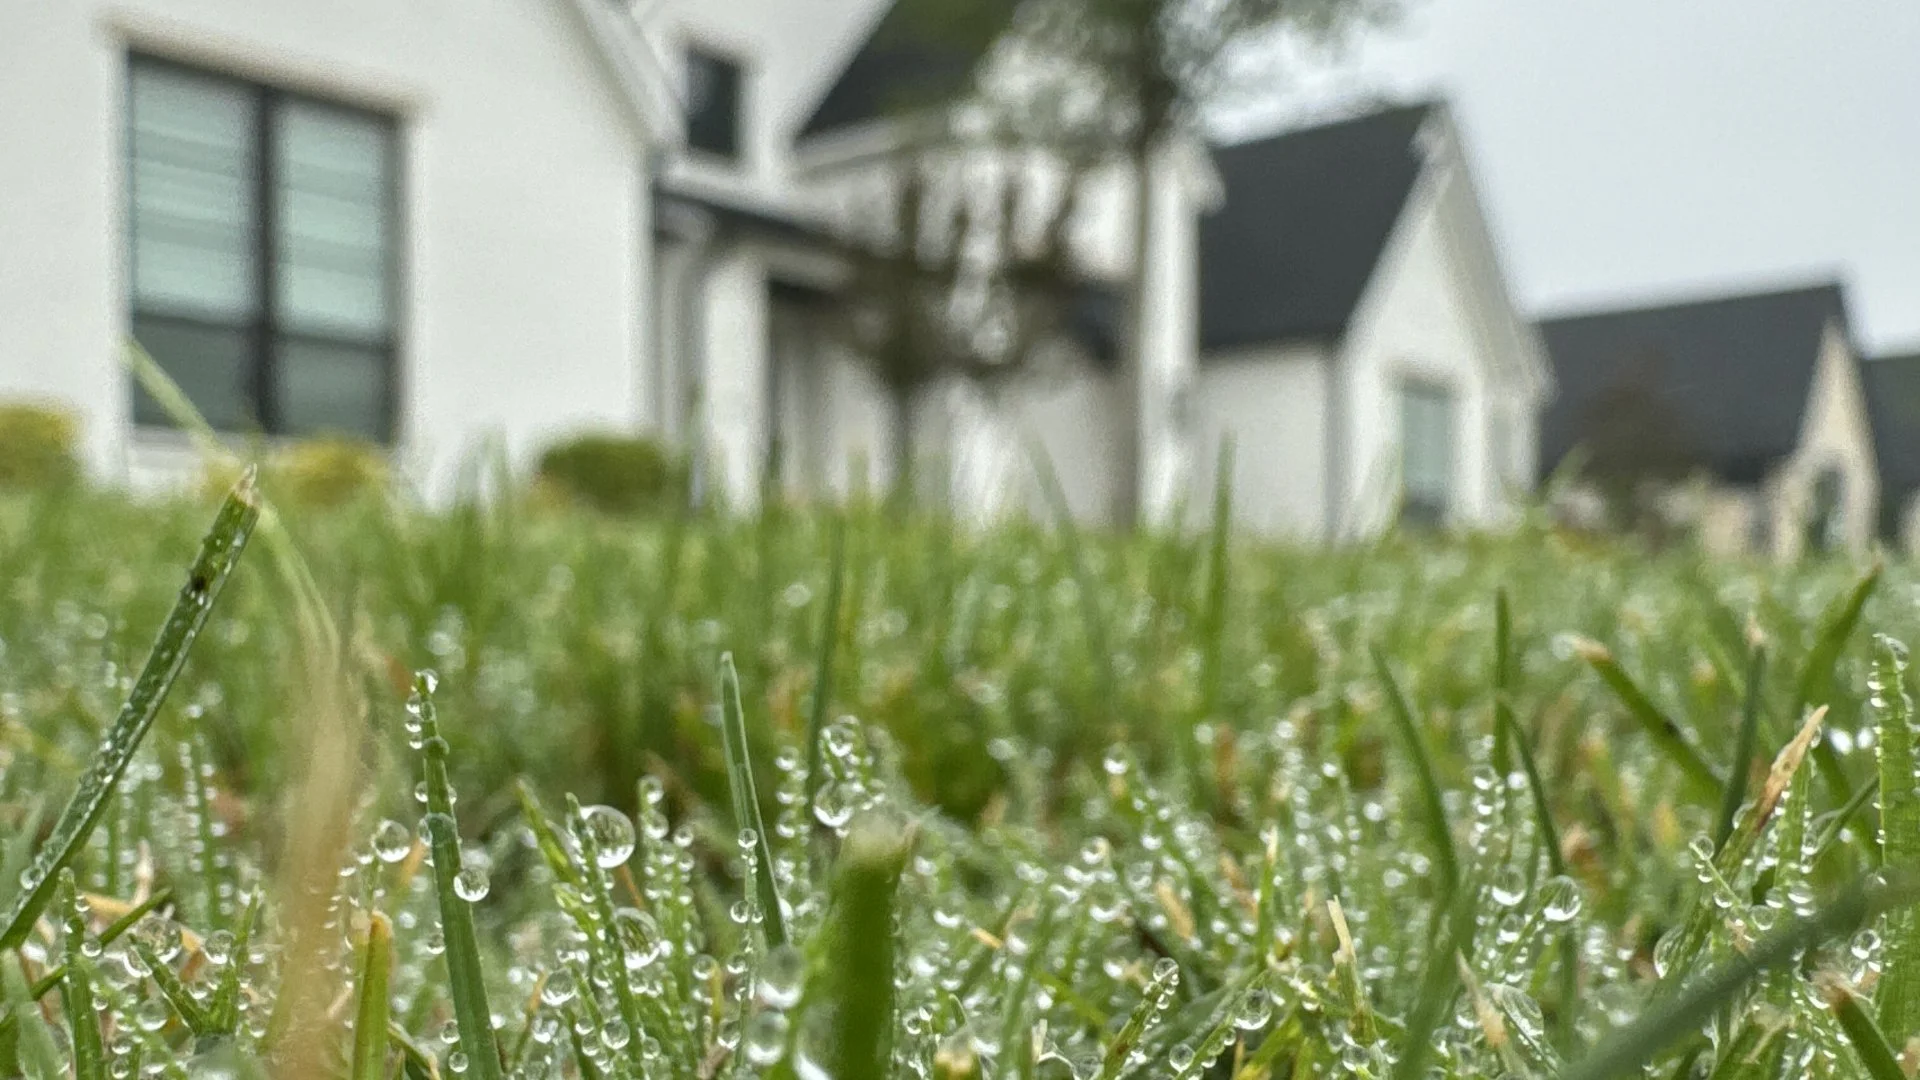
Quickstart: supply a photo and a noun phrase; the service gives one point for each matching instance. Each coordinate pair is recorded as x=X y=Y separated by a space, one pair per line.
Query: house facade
x=315 y=217
x=1892 y=384
x=572 y=215
x=1747 y=413
x=1361 y=354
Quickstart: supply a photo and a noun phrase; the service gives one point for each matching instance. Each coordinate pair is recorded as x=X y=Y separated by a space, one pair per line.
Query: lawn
x=506 y=789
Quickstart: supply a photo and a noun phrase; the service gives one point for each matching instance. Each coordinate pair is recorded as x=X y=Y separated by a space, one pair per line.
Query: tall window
x=1426 y=452
x=262 y=238
x=1825 y=530
x=713 y=103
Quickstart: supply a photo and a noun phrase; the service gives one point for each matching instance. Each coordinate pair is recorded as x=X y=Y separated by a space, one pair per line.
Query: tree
x=959 y=266
x=1154 y=66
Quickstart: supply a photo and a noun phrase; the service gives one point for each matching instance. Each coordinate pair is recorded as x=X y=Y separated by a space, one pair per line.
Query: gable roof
x=1892 y=385
x=1726 y=380
x=1306 y=217
x=920 y=53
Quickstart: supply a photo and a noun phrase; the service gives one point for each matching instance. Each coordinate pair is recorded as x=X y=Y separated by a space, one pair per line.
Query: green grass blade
x=746 y=800
x=471 y=1013
x=1659 y=727
x=1503 y=738
x=1899 y=993
x=1869 y=1045
x=1815 y=685
x=1433 y=810
x=83 y=1026
x=545 y=838
x=829 y=643
x=1742 y=763
x=1093 y=621
x=47 y=983
x=1153 y=1000
x=37 y=1055
x=1439 y=982
x=1627 y=1049
x=190 y=1010
x=1213 y=619
x=866 y=889
x=226 y=996
x=219 y=554
x=1837 y=822
x=370 y=1018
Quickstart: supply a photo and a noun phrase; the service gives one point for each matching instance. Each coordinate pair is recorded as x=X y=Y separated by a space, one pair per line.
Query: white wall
x=791 y=50
x=1835 y=433
x=1070 y=419
x=1272 y=403
x=1418 y=319
x=522 y=323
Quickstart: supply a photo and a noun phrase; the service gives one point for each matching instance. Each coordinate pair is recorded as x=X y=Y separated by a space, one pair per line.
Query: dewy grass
x=1226 y=844
x=219 y=554
x=456 y=887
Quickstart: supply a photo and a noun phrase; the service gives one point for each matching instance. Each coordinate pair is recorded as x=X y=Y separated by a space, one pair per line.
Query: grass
x=1025 y=803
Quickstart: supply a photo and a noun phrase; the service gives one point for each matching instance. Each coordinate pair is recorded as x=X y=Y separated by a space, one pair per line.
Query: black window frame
x=728 y=146
x=265 y=330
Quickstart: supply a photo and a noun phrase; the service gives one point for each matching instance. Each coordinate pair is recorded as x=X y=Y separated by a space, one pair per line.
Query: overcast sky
x=1636 y=149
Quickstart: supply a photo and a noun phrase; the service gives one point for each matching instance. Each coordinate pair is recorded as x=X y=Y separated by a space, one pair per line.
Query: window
x=261 y=231
x=1825 y=531
x=1426 y=452
x=713 y=103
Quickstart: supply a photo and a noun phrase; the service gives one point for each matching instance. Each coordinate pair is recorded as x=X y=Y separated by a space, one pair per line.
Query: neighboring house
x=800 y=140
x=1360 y=349
x=1757 y=398
x=1893 y=405
x=421 y=223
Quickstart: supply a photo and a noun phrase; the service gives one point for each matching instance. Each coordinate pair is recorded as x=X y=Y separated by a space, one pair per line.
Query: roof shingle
x=921 y=53
x=1730 y=376
x=1306 y=217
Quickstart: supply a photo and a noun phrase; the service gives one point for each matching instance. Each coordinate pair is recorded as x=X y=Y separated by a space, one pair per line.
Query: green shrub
x=329 y=471
x=322 y=472
x=615 y=474
x=37 y=447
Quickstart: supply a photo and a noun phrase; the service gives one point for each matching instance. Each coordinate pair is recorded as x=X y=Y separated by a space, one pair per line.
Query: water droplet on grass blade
x=559 y=988
x=611 y=833
x=1508 y=888
x=471 y=884
x=778 y=982
x=766 y=1038
x=391 y=841
x=1561 y=900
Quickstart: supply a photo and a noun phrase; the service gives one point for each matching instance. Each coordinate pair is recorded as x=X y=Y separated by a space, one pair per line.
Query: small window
x=1826 y=525
x=1426 y=453
x=713 y=103
x=261 y=240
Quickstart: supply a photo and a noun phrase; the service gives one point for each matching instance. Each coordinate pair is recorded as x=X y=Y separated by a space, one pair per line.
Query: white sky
x=1635 y=149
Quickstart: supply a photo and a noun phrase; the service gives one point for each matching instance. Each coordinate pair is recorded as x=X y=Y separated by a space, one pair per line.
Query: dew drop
x=470 y=884
x=391 y=841
x=611 y=833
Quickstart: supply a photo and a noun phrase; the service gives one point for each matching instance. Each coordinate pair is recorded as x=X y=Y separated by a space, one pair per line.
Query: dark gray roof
x=1723 y=382
x=921 y=53
x=1306 y=217
x=1892 y=385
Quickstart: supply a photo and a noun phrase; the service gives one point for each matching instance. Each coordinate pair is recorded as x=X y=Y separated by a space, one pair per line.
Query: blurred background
x=1352 y=264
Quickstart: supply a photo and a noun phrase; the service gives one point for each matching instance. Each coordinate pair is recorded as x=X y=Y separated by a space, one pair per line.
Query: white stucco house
x=1756 y=400
x=579 y=214
x=423 y=223
x=792 y=152
x=1360 y=350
